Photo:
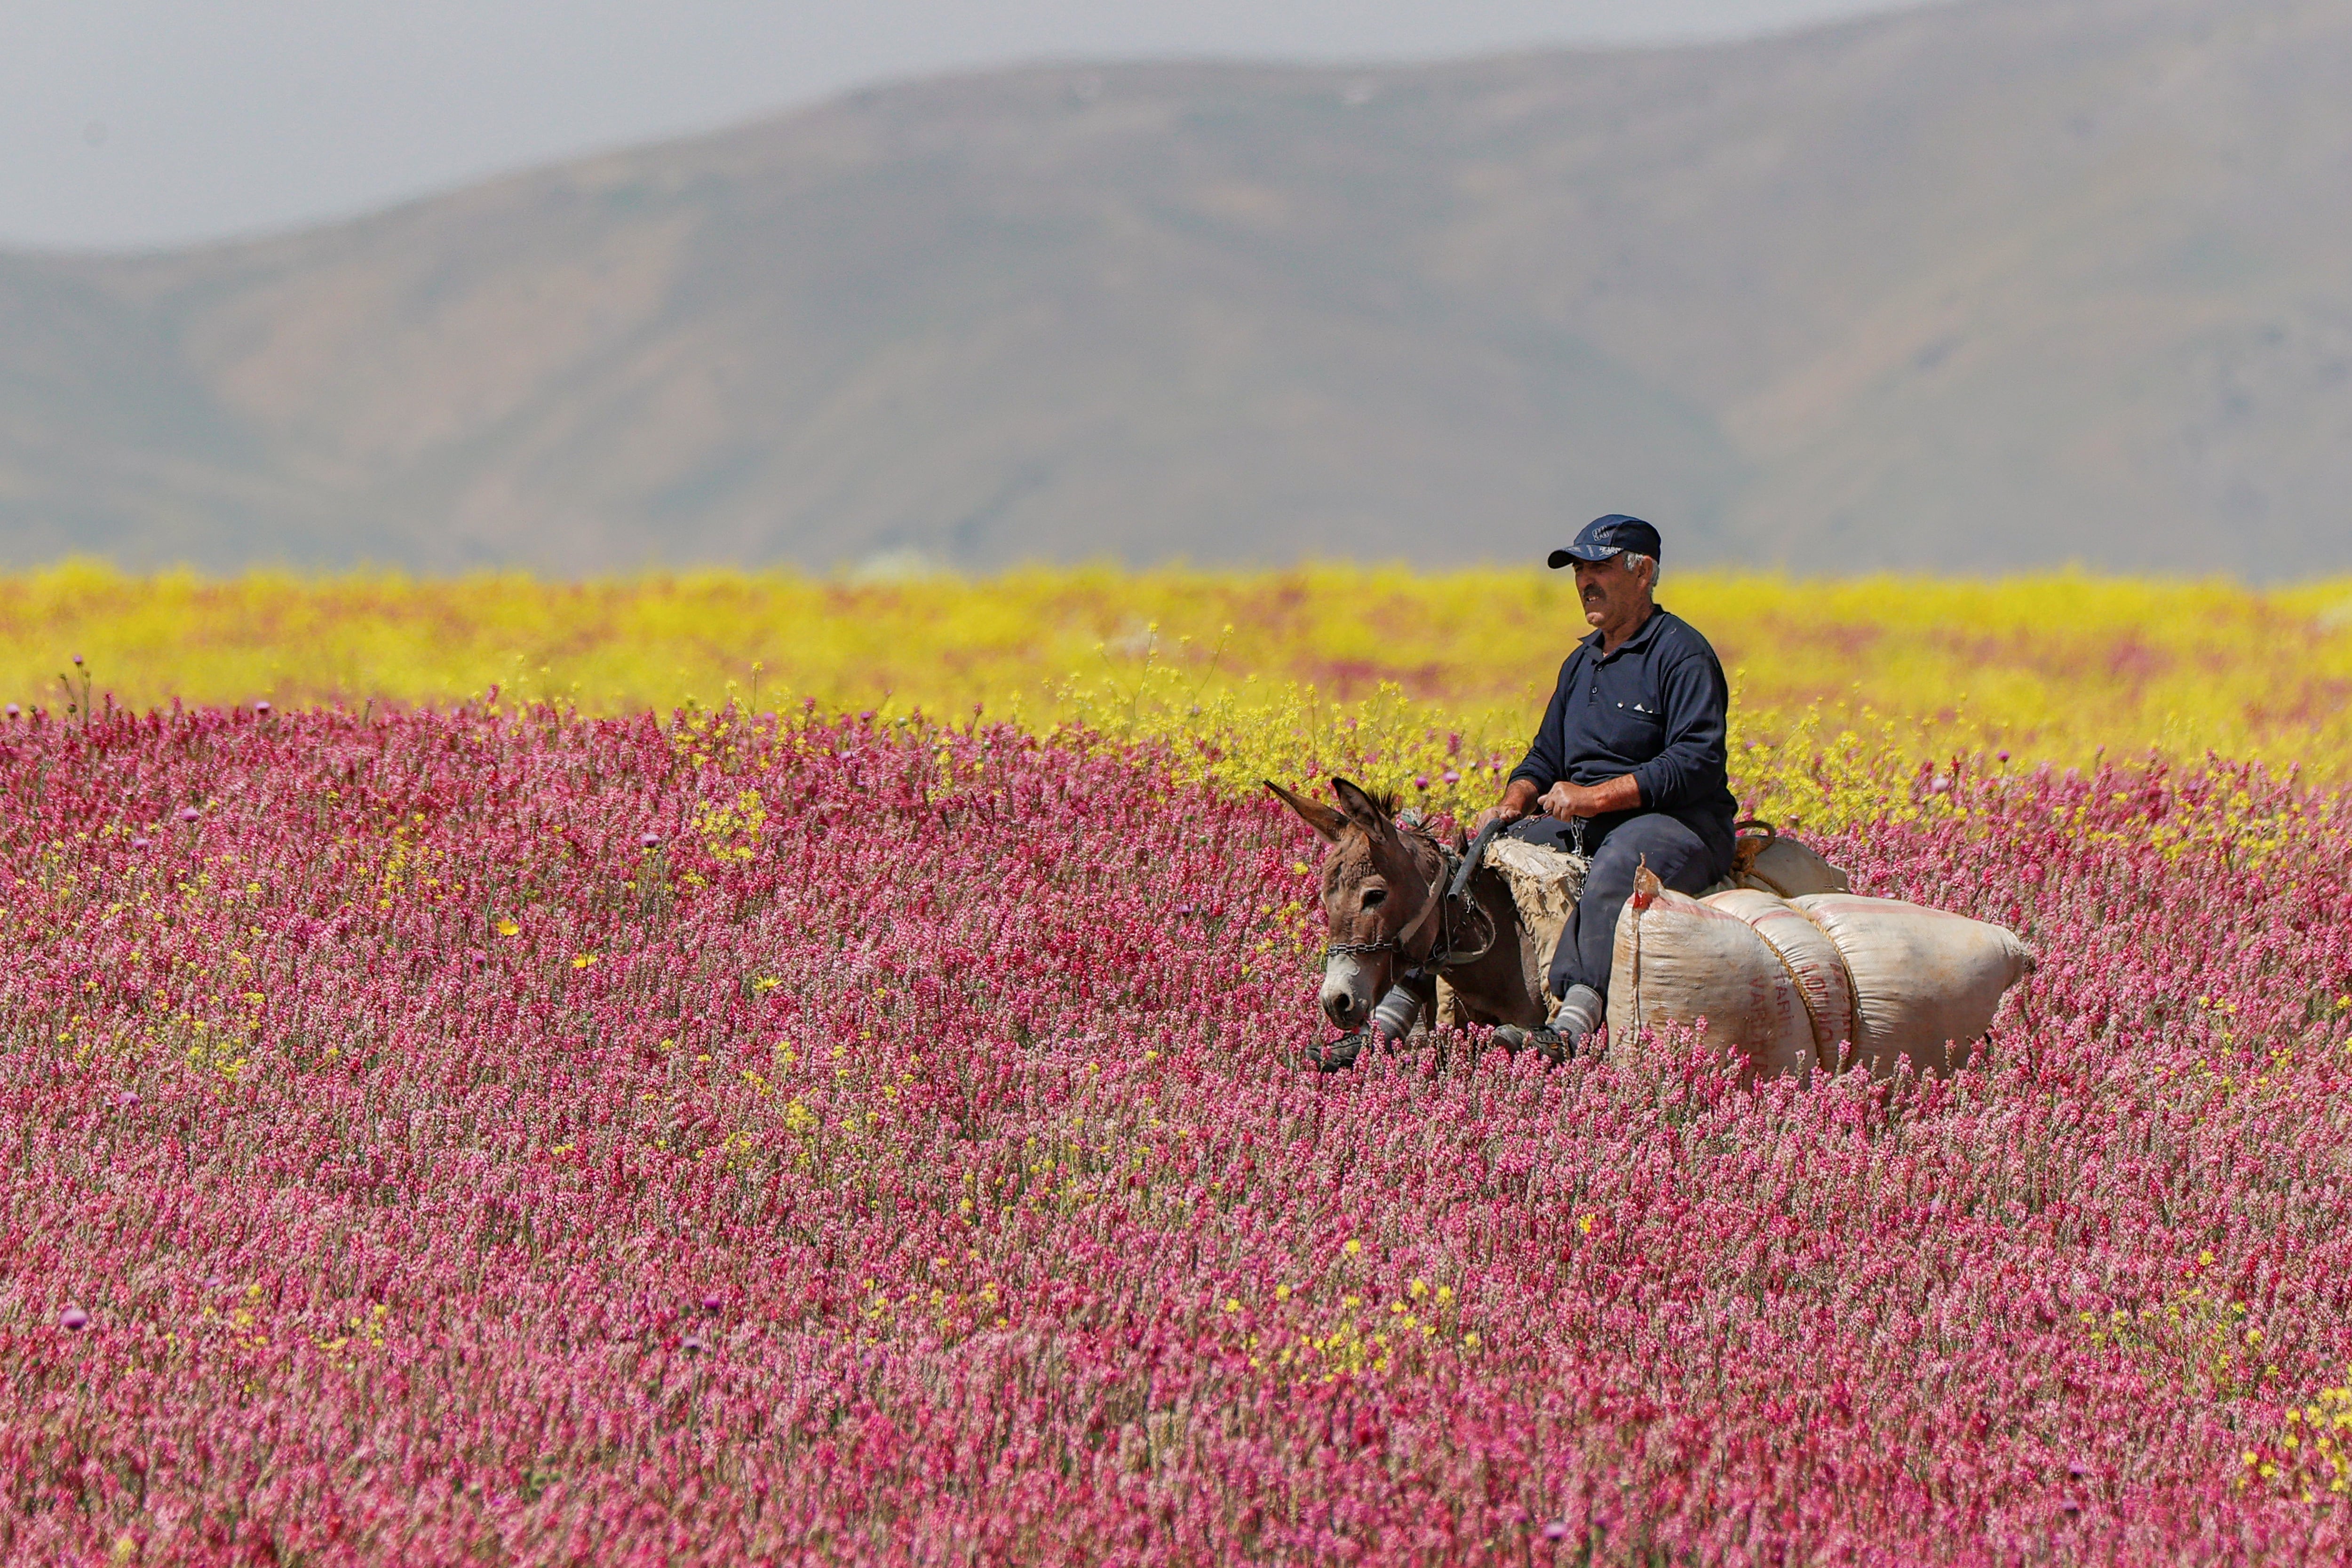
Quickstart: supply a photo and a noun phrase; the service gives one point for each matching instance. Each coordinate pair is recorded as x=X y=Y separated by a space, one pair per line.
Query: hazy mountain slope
x=1987 y=284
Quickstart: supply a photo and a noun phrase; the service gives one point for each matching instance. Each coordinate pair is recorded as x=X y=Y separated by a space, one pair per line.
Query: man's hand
x=1568 y=801
x=1565 y=801
x=1517 y=801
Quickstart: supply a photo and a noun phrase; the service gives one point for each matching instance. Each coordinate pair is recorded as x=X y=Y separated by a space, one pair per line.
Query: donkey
x=1385 y=900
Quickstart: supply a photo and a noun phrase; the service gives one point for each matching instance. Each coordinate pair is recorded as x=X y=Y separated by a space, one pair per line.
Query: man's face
x=1614 y=597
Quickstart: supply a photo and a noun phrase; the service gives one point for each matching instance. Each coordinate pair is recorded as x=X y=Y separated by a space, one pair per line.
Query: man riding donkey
x=1628 y=767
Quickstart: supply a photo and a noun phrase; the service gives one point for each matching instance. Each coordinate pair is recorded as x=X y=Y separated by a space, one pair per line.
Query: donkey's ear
x=1325 y=821
x=1361 y=809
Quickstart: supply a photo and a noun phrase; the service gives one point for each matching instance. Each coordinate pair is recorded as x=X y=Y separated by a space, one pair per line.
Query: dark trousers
x=1685 y=856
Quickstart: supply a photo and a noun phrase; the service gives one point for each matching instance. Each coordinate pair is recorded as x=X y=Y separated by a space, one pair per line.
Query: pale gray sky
x=127 y=123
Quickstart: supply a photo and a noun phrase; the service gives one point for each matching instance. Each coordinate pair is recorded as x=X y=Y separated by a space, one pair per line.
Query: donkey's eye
x=1372 y=896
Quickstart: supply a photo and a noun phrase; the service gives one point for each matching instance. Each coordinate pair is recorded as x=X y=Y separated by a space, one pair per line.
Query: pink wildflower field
x=484 y=1136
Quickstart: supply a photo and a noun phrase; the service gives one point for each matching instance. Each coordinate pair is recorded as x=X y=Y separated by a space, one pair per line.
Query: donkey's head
x=1375 y=886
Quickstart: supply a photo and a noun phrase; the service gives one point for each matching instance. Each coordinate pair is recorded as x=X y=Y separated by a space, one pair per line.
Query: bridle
x=1438 y=901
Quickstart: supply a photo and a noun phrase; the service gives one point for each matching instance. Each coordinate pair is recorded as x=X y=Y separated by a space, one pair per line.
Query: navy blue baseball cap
x=1605 y=536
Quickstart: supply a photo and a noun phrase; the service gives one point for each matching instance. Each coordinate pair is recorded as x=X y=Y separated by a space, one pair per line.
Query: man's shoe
x=1337 y=1056
x=1547 y=1042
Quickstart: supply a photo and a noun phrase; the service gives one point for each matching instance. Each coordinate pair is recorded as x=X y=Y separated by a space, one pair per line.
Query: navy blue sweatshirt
x=1654 y=709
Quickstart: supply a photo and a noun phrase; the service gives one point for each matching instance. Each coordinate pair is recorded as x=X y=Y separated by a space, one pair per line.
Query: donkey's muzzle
x=1347 y=996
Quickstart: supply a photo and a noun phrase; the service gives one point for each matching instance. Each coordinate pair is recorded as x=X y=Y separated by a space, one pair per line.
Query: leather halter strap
x=1433 y=902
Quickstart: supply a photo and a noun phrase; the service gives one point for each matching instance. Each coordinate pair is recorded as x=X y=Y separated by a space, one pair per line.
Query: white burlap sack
x=1680 y=961
x=1812 y=961
x=1785 y=984
x=1769 y=863
x=1926 y=981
